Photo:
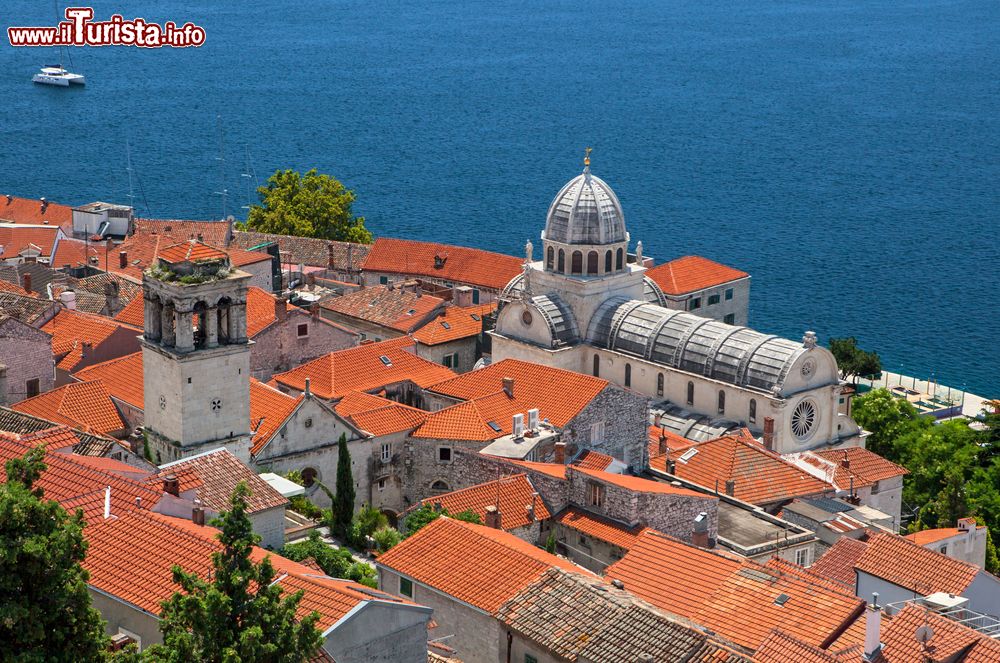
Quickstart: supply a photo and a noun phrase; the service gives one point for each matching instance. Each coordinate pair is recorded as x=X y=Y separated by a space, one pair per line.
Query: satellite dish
x=924 y=634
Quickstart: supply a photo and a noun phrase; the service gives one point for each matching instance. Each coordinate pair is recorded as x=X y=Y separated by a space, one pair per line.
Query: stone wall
x=381 y=633
x=625 y=416
x=123 y=341
x=27 y=354
x=465 y=348
x=279 y=347
x=270 y=525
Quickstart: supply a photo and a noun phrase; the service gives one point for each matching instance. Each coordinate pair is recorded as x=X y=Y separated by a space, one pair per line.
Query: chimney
x=531 y=508
x=560 y=451
x=26 y=282
x=331 y=263
x=873 y=629
x=730 y=487
x=200 y=238
x=68 y=299
x=661 y=446
x=45 y=203
x=111 y=291
x=280 y=309
x=517 y=428
x=508 y=387
x=493 y=517
x=107 y=502
x=86 y=349
x=314 y=311
x=122 y=259
x=533 y=418
x=769 y=433
x=308 y=391
x=699 y=536
x=671 y=466
x=198 y=515
x=171 y=485
x=845 y=462
x=462 y=296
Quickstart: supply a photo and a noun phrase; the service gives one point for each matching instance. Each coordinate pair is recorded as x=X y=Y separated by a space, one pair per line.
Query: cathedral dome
x=585 y=211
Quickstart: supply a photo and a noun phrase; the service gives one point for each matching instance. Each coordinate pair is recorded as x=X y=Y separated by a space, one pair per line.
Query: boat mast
x=223 y=191
x=249 y=174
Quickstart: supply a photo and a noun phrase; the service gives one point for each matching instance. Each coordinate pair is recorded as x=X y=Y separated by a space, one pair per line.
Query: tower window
x=607 y=261
x=722 y=402
x=690 y=399
x=562 y=262
x=659 y=384
x=597 y=366
x=592 y=260
x=628 y=375
x=550 y=257
x=753 y=411
x=620 y=259
x=577 y=266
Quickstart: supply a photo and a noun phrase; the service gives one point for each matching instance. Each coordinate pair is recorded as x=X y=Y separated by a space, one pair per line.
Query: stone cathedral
x=587 y=306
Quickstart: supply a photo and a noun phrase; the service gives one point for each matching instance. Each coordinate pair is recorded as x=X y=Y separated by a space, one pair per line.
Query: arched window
x=619 y=259
x=753 y=410
x=607 y=261
x=659 y=384
x=597 y=366
x=309 y=475
x=550 y=258
x=592 y=260
x=722 y=402
x=440 y=487
x=628 y=375
x=562 y=262
x=690 y=400
x=577 y=265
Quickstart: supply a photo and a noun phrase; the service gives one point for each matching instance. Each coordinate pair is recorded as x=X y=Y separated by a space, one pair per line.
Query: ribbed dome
x=585 y=211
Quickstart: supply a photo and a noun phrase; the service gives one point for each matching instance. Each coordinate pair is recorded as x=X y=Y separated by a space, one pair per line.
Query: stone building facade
x=295 y=337
x=26 y=361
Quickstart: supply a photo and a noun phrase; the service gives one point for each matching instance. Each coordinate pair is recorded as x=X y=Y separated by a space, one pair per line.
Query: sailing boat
x=54 y=74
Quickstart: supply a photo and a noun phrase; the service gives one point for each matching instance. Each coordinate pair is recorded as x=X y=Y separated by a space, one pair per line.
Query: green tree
x=550 y=543
x=310 y=205
x=386 y=538
x=239 y=614
x=366 y=522
x=45 y=611
x=343 y=503
x=424 y=514
x=887 y=418
x=335 y=562
x=852 y=360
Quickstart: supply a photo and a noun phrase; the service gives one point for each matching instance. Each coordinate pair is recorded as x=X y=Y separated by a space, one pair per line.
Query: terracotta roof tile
x=692 y=273
x=456 y=323
x=928 y=536
x=122 y=377
x=70 y=330
x=640 y=485
x=190 y=251
x=865 y=466
x=219 y=471
x=84 y=405
x=15 y=239
x=554 y=470
x=760 y=476
x=27 y=426
x=30 y=211
x=377 y=415
x=784 y=566
x=779 y=647
x=15 y=289
x=387 y=306
x=593 y=460
x=906 y=564
x=212 y=232
x=838 y=562
x=737 y=598
x=269 y=409
x=600 y=528
x=513 y=494
x=442 y=261
x=478 y=565
x=77 y=252
x=334 y=375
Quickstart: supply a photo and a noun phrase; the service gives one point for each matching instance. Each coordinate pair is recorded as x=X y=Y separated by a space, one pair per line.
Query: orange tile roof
x=675 y=443
x=479 y=565
x=467 y=421
x=929 y=536
x=14 y=239
x=387 y=306
x=71 y=329
x=600 y=528
x=85 y=405
x=30 y=211
x=906 y=564
x=377 y=415
x=838 y=562
x=269 y=409
x=784 y=566
x=77 y=252
x=592 y=460
x=513 y=494
x=214 y=233
x=219 y=472
x=16 y=289
x=241 y=258
x=65 y=478
x=133 y=313
x=554 y=470
x=692 y=273
x=455 y=323
x=640 y=485
x=334 y=375
x=122 y=377
x=866 y=467
x=760 y=476
x=779 y=647
x=57 y=437
x=140 y=252
x=191 y=250
x=457 y=263
x=734 y=597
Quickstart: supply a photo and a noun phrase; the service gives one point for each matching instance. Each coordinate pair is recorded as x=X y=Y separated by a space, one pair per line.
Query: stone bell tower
x=195 y=354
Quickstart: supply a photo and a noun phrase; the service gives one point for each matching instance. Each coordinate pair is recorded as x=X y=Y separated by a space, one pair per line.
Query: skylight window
x=385 y=360
x=688 y=455
x=782 y=599
x=411 y=311
x=476 y=317
x=446 y=325
x=494 y=425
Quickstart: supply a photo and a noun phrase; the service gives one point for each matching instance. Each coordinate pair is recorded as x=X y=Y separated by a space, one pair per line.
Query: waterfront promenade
x=971 y=404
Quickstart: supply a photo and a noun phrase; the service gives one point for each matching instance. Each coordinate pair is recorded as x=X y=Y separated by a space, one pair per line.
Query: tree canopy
x=343 y=503
x=310 y=205
x=45 y=611
x=425 y=514
x=852 y=360
x=238 y=614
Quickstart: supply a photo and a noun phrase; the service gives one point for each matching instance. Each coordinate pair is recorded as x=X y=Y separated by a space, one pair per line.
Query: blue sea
x=846 y=153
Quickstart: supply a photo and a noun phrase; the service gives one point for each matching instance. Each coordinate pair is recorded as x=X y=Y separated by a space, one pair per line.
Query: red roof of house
x=269 y=409
x=385 y=305
x=377 y=415
x=16 y=289
x=441 y=261
x=599 y=527
x=30 y=211
x=70 y=330
x=864 y=466
x=554 y=470
x=191 y=250
x=690 y=274
x=85 y=405
x=779 y=647
x=14 y=239
x=334 y=375
x=453 y=324
x=739 y=599
x=479 y=565
x=76 y=253
x=219 y=472
x=122 y=377
x=838 y=562
x=512 y=494
x=760 y=476
x=906 y=564
x=593 y=460
x=638 y=484
x=928 y=536
x=214 y=233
